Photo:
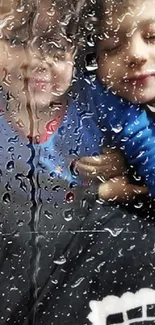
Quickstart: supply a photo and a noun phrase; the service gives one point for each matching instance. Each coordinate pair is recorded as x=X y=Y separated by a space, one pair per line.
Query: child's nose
x=137 y=53
x=35 y=61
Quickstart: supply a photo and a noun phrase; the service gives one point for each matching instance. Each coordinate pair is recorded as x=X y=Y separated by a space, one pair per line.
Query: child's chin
x=139 y=97
x=41 y=100
x=44 y=99
x=144 y=99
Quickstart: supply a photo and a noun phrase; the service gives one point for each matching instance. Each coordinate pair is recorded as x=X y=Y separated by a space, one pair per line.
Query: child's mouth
x=37 y=84
x=138 y=79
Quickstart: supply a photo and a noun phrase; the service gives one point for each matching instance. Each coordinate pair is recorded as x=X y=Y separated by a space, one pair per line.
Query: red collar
x=50 y=128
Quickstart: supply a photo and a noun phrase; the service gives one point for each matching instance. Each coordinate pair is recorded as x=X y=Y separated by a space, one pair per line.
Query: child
x=42 y=202
x=36 y=64
x=126 y=68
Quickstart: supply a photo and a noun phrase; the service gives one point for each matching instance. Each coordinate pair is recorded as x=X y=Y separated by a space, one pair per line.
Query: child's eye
x=150 y=38
x=15 y=41
x=113 y=49
x=59 y=56
x=53 y=48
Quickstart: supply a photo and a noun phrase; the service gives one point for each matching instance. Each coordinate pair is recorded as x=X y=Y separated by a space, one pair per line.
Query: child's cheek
x=62 y=74
x=3 y=57
x=11 y=58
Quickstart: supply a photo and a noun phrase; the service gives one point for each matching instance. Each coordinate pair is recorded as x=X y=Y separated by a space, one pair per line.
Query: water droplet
x=20 y=223
x=137 y=177
x=16 y=234
x=89 y=26
x=77 y=283
x=20 y=9
x=56 y=188
x=60 y=261
x=6 y=198
x=90 y=40
x=100 y=253
x=48 y=215
x=13 y=288
x=103 y=129
x=73 y=184
x=10 y=149
x=49 y=200
x=116 y=127
x=114 y=232
x=23 y=186
x=92 y=67
x=73 y=168
x=54 y=281
x=56 y=205
x=131 y=248
x=53 y=175
x=120 y=252
x=84 y=203
x=10 y=166
x=140 y=154
x=14 y=139
x=70 y=197
x=130 y=33
x=110 y=108
x=8 y=187
x=138 y=205
x=68 y=214
x=99 y=267
x=61 y=130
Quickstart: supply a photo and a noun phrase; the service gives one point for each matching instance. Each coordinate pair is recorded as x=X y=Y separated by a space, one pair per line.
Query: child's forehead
x=8 y=6
x=126 y=6
x=121 y=6
x=13 y=13
x=127 y=12
x=18 y=12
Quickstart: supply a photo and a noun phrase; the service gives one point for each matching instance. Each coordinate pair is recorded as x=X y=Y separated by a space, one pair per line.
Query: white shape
x=111 y=305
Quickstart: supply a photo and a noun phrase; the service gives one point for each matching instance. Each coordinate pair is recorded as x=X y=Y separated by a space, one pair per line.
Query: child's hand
x=119 y=189
x=108 y=165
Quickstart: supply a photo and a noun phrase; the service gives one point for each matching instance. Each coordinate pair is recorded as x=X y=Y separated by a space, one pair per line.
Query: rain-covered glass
x=77 y=162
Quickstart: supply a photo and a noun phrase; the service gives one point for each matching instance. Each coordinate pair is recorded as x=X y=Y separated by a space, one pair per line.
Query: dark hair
x=93 y=14
x=77 y=15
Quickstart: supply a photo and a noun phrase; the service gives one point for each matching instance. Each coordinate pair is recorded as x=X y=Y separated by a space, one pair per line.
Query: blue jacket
x=127 y=126
x=95 y=119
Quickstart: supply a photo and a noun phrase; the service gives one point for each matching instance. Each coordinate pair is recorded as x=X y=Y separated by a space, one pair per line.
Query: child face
x=126 y=49
x=36 y=58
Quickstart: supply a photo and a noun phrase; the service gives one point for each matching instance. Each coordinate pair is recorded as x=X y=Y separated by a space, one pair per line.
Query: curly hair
x=70 y=11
